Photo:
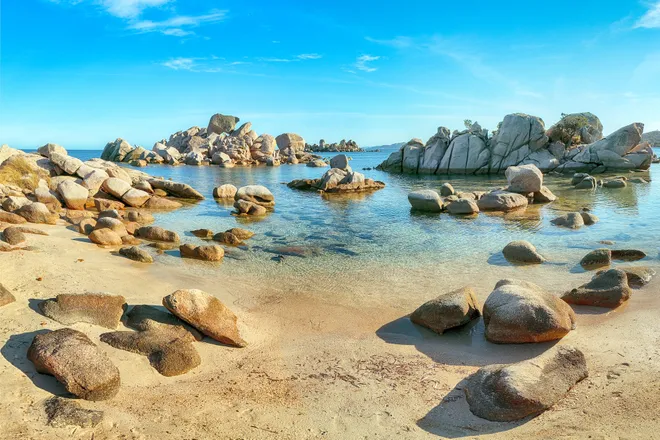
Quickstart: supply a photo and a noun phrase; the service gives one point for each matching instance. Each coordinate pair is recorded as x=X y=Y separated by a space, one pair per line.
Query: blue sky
x=83 y=72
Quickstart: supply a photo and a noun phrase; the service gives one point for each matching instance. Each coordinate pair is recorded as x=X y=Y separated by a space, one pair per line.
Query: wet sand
x=328 y=356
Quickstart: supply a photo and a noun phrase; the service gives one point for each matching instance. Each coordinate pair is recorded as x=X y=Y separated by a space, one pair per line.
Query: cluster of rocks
x=575 y=220
x=519 y=140
x=586 y=181
x=249 y=200
x=343 y=146
x=166 y=339
x=525 y=186
x=220 y=143
x=340 y=178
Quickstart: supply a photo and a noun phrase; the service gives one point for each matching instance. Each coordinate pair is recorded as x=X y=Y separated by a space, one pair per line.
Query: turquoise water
x=343 y=233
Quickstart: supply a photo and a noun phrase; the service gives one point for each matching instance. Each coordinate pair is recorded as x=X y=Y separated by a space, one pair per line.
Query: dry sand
x=327 y=358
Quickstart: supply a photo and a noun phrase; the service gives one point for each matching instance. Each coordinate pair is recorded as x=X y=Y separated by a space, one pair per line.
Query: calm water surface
x=344 y=233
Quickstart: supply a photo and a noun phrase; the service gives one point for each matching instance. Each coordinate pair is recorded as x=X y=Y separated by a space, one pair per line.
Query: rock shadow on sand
x=465 y=345
x=15 y=352
x=452 y=418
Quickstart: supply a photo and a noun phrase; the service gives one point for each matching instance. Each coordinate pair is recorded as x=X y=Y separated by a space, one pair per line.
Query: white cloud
x=361 y=63
x=309 y=56
x=396 y=42
x=175 y=25
x=651 y=19
x=130 y=8
x=180 y=64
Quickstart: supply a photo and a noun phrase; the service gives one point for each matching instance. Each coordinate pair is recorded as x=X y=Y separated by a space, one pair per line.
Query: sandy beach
x=324 y=360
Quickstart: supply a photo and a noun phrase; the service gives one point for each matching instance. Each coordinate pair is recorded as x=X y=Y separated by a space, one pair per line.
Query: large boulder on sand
x=524 y=179
x=136 y=254
x=522 y=251
x=425 y=200
x=74 y=195
x=520 y=312
x=76 y=362
x=206 y=313
x=447 y=311
x=5 y=296
x=256 y=194
x=220 y=123
x=13 y=235
x=504 y=393
x=609 y=289
x=502 y=201
x=37 y=213
x=105 y=237
x=93 y=308
x=115 y=187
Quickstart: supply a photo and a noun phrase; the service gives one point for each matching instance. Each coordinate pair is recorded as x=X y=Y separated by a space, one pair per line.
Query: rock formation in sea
x=652 y=137
x=343 y=146
x=340 y=178
x=522 y=139
x=220 y=143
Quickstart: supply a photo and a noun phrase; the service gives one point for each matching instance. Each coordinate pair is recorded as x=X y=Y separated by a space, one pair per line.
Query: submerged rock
x=206 y=313
x=447 y=311
x=505 y=393
x=520 y=312
x=572 y=220
x=609 y=289
x=522 y=252
x=76 y=362
x=202 y=233
x=597 y=258
x=65 y=412
x=425 y=200
x=100 y=309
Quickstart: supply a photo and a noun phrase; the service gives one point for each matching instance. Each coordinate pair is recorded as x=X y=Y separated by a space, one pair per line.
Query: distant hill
x=652 y=137
x=390 y=147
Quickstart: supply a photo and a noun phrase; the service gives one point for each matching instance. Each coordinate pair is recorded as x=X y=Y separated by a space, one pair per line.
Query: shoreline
x=335 y=360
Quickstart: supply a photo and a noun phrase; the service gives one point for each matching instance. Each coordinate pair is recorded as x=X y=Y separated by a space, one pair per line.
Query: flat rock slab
x=447 y=311
x=521 y=312
x=5 y=296
x=76 y=362
x=207 y=314
x=609 y=289
x=93 y=308
x=66 y=412
x=504 y=393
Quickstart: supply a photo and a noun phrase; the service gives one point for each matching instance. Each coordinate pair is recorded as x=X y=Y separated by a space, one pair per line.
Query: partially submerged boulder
x=597 y=258
x=447 y=311
x=257 y=194
x=425 y=200
x=502 y=201
x=156 y=233
x=521 y=312
x=76 y=362
x=206 y=253
x=572 y=220
x=226 y=191
x=136 y=254
x=206 y=313
x=505 y=393
x=609 y=289
x=100 y=309
x=463 y=207
x=522 y=251
x=181 y=190
x=524 y=179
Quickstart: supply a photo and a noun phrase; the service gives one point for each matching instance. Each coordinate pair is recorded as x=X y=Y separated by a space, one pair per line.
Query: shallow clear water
x=341 y=233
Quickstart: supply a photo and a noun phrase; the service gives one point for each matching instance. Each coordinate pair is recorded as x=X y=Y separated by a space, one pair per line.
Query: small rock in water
x=522 y=252
x=616 y=183
x=227 y=238
x=226 y=191
x=76 y=362
x=156 y=233
x=502 y=201
x=202 y=233
x=206 y=253
x=607 y=242
x=572 y=220
x=100 y=309
x=589 y=219
x=447 y=190
x=463 y=207
x=627 y=254
x=609 y=289
x=136 y=254
x=597 y=258
x=524 y=179
x=447 y=311
x=242 y=234
x=206 y=313
x=504 y=393
x=279 y=258
x=66 y=412
x=5 y=296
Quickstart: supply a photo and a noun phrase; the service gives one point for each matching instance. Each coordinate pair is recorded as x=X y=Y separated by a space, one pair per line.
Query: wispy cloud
x=309 y=56
x=301 y=57
x=176 y=25
x=362 y=63
x=396 y=42
x=180 y=63
x=130 y=8
x=650 y=20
